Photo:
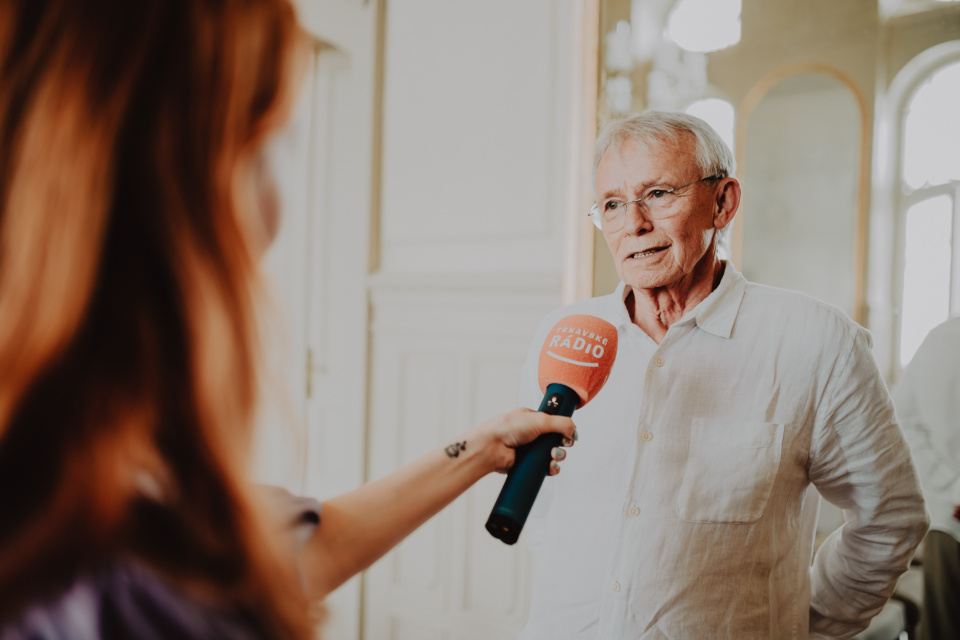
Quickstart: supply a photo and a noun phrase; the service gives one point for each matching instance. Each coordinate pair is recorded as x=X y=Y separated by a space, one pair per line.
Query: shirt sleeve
x=941 y=474
x=860 y=462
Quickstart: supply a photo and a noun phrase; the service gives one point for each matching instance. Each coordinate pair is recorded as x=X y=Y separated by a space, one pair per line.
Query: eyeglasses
x=657 y=202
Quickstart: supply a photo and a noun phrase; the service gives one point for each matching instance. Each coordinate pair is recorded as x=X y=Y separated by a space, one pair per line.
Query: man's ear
x=728 y=201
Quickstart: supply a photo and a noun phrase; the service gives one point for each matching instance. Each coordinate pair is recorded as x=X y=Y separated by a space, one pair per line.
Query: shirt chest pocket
x=731 y=468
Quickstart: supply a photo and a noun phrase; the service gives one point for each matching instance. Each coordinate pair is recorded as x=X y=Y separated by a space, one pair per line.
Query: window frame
x=902 y=91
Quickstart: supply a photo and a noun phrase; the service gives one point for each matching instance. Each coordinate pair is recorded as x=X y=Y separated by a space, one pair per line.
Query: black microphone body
x=531 y=466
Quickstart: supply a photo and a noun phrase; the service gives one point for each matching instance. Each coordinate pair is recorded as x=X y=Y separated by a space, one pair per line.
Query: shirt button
x=646 y=435
x=615 y=587
x=658 y=361
x=634 y=511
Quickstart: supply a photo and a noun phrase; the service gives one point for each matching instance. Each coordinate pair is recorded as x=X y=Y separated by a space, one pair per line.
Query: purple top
x=128 y=600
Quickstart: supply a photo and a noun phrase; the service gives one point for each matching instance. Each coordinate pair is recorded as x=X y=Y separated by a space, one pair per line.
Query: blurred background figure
x=927 y=399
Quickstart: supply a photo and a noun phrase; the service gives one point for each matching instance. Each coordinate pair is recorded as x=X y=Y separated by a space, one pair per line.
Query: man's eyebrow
x=643 y=186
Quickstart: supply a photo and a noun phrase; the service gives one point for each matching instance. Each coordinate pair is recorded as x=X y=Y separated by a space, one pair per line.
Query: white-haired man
x=687 y=512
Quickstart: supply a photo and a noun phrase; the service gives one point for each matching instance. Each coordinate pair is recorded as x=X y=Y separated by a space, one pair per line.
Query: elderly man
x=687 y=512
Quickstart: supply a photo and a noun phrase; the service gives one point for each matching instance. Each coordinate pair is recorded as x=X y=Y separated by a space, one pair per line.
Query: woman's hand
x=500 y=436
x=362 y=525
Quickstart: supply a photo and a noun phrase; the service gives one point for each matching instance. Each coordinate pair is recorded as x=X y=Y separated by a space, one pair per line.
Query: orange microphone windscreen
x=579 y=352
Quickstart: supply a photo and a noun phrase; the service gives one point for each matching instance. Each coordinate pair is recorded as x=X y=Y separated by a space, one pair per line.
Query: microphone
x=575 y=362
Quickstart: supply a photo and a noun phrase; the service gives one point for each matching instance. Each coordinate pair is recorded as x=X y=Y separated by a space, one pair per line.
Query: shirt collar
x=716 y=314
x=620 y=318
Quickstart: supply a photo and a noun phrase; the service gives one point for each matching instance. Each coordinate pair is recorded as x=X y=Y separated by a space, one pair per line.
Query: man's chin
x=646 y=278
x=648 y=283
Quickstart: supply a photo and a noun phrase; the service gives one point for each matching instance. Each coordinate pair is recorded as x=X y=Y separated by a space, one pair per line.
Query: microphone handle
x=530 y=467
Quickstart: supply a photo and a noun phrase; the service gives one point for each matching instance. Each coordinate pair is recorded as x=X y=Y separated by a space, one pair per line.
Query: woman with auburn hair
x=131 y=223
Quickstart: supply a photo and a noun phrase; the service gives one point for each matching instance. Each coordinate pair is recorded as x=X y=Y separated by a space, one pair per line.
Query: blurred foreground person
x=927 y=398
x=131 y=222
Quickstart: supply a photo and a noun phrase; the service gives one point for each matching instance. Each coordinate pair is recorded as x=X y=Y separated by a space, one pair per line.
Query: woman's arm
x=357 y=528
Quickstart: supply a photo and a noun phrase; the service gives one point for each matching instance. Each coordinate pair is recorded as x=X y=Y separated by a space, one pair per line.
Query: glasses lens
x=613 y=216
x=659 y=203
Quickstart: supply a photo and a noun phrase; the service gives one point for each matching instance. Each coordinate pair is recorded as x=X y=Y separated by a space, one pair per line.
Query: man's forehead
x=657 y=156
x=670 y=146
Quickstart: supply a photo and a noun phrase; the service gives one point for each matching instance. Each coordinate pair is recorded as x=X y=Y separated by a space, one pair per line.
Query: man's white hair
x=655 y=129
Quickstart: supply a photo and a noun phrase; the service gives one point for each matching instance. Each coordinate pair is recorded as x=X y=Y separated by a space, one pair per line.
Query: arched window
x=929 y=205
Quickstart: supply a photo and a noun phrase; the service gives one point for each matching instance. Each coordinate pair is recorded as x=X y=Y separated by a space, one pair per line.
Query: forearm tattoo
x=454 y=449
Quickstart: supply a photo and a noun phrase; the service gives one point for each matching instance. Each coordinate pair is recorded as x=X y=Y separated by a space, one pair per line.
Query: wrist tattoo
x=454 y=449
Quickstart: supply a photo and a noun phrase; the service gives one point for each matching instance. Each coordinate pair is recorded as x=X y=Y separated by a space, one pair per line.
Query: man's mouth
x=648 y=252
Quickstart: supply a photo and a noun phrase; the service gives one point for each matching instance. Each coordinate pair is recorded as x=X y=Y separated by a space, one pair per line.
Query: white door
x=476 y=160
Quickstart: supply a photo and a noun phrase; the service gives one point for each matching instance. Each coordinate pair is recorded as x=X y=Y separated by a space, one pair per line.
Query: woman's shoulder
x=125 y=600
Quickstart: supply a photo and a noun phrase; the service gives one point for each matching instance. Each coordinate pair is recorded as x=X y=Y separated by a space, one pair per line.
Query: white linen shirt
x=927 y=399
x=683 y=511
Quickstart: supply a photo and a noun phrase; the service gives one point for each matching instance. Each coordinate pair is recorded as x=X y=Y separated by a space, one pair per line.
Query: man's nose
x=636 y=218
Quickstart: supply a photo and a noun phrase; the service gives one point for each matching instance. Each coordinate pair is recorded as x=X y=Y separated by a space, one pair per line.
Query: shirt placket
x=617 y=601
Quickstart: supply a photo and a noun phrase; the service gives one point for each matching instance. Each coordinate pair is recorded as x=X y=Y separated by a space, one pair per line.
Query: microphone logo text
x=580 y=343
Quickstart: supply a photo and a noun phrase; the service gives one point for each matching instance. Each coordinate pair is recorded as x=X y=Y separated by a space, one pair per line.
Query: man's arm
x=860 y=462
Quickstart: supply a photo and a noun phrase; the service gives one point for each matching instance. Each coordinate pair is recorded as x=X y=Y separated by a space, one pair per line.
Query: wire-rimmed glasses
x=657 y=201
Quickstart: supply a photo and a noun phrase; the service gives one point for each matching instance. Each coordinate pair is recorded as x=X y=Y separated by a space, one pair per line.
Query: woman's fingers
x=561 y=424
x=557 y=454
x=521 y=426
x=508 y=431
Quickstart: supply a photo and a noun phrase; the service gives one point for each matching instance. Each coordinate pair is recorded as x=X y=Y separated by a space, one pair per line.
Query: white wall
x=800 y=180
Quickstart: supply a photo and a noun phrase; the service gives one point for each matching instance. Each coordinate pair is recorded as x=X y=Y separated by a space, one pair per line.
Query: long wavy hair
x=129 y=131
